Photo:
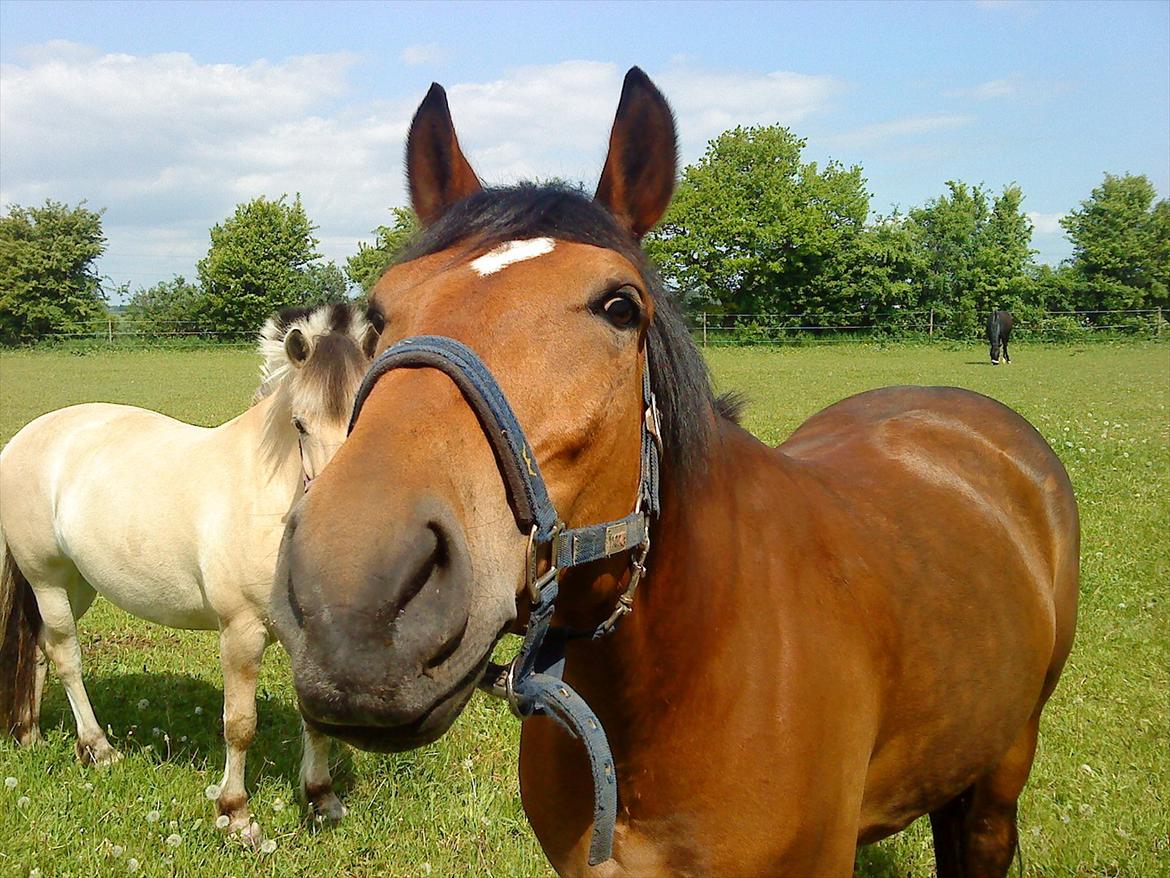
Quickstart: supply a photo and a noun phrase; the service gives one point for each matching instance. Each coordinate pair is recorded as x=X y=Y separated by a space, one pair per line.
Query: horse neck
x=264 y=434
x=700 y=576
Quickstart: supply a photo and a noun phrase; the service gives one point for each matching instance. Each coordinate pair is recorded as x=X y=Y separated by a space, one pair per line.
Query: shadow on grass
x=179 y=719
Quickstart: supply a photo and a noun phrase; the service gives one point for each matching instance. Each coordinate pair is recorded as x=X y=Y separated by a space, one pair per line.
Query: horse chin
x=392 y=739
x=428 y=726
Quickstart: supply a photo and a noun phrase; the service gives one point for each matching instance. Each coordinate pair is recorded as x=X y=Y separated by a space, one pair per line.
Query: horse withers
x=176 y=524
x=829 y=639
x=999 y=333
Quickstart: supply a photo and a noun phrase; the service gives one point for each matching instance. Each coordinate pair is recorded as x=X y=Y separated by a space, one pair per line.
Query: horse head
x=313 y=362
x=405 y=565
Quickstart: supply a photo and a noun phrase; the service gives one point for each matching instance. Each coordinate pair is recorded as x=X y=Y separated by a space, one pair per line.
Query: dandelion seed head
x=174 y=839
x=212 y=791
x=132 y=864
x=268 y=846
x=117 y=850
x=10 y=782
x=222 y=821
x=153 y=816
x=278 y=805
x=198 y=711
x=23 y=802
x=143 y=703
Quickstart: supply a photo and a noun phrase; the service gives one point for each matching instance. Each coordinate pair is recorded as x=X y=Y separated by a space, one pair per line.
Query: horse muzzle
x=384 y=646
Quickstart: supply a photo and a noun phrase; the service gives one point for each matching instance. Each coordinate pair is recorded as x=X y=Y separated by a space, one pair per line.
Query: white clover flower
x=468 y=764
x=117 y=850
x=34 y=873
x=183 y=740
x=198 y=711
x=174 y=839
x=10 y=782
x=132 y=864
x=143 y=704
x=278 y=805
x=153 y=816
x=268 y=846
x=87 y=786
x=222 y=821
x=23 y=802
x=426 y=867
x=212 y=791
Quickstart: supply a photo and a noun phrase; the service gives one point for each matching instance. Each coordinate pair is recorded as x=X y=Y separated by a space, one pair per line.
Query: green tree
x=48 y=281
x=368 y=264
x=975 y=254
x=753 y=228
x=260 y=260
x=168 y=306
x=1121 y=244
x=324 y=282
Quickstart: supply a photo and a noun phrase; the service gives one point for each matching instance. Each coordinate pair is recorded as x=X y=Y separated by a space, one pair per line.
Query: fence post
x=705 y=328
x=1158 y=325
x=110 y=330
x=931 y=323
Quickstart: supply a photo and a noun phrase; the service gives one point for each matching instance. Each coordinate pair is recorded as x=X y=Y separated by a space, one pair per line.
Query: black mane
x=678 y=373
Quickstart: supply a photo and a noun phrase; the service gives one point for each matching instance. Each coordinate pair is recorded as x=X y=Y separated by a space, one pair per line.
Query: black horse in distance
x=999 y=332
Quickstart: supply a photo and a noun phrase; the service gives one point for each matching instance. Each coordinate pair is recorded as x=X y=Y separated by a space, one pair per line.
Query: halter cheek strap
x=532 y=683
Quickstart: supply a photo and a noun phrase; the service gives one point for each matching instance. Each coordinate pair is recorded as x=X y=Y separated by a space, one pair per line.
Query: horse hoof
x=327 y=809
x=29 y=737
x=100 y=753
x=246 y=831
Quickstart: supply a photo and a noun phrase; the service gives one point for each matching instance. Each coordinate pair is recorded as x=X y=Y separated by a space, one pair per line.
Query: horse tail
x=993 y=327
x=20 y=622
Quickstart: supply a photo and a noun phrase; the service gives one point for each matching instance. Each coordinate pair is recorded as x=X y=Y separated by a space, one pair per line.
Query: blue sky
x=169 y=114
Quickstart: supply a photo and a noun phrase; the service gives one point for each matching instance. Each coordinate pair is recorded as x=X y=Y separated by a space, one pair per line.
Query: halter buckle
x=535 y=584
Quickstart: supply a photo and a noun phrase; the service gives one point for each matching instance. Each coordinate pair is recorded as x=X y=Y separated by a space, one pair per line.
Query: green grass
x=1097 y=804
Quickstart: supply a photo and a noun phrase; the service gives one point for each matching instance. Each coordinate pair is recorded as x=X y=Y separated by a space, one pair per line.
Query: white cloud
x=170 y=145
x=985 y=91
x=425 y=53
x=898 y=129
x=1047 y=223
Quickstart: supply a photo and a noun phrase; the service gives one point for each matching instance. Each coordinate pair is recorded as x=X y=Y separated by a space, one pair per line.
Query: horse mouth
x=428 y=727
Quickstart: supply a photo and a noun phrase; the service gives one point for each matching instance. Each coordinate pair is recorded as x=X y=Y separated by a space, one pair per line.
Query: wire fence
x=717 y=329
x=711 y=329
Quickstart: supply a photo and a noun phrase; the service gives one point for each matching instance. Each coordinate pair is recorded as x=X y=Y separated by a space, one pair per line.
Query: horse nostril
x=435 y=560
x=294 y=604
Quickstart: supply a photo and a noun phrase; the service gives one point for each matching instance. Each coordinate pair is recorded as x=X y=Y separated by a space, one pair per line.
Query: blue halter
x=532 y=682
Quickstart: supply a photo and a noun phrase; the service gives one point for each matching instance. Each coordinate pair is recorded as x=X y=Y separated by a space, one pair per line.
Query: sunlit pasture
x=1097 y=803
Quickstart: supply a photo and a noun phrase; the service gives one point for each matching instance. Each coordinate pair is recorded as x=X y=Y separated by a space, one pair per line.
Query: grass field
x=1098 y=803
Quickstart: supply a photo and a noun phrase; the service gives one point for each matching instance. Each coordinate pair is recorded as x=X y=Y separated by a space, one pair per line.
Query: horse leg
x=241 y=647
x=1006 y=358
x=60 y=605
x=946 y=825
x=316 y=784
x=990 y=834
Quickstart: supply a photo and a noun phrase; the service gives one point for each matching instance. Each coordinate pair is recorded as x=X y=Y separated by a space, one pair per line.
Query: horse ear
x=370 y=342
x=436 y=170
x=297 y=347
x=638 y=178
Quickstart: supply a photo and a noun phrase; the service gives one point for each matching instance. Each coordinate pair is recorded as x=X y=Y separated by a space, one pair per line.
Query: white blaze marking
x=512 y=251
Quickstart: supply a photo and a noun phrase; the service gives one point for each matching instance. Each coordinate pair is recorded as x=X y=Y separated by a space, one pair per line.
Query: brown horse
x=834 y=637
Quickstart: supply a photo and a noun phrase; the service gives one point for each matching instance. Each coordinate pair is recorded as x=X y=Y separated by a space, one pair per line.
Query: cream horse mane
x=323 y=375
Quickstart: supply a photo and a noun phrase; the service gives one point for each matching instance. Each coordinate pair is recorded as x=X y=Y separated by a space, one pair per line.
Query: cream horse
x=176 y=524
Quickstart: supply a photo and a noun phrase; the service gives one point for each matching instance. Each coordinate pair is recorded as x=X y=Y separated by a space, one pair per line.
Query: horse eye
x=621 y=311
x=376 y=319
x=300 y=427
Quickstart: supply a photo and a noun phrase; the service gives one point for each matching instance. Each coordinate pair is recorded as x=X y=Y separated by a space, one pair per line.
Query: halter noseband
x=532 y=682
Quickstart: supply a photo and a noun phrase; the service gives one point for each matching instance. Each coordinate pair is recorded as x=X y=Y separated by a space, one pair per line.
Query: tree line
x=753 y=229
